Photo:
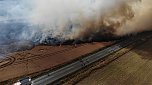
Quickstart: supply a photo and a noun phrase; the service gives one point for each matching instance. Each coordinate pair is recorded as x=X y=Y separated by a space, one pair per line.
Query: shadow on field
x=145 y=50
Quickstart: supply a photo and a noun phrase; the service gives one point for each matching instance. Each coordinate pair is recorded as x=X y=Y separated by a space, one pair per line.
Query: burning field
x=26 y=23
x=34 y=26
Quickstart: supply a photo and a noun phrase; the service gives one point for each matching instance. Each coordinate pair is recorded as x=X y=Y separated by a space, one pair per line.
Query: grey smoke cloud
x=59 y=20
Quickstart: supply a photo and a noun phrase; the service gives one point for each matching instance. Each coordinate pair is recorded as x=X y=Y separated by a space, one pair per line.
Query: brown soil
x=42 y=58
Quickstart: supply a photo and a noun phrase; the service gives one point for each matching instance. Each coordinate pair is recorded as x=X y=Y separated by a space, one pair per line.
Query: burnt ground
x=44 y=57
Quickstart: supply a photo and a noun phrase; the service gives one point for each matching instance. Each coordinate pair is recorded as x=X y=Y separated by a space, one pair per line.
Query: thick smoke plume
x=24 y=23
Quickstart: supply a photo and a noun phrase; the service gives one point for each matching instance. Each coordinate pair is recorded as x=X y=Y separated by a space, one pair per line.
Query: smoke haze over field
x=59 y=20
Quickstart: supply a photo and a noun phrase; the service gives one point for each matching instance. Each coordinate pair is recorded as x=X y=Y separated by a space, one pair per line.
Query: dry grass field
x=133 y=68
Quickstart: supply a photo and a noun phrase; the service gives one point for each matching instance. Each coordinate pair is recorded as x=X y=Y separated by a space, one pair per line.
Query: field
x=43 y=58
x=133 y=68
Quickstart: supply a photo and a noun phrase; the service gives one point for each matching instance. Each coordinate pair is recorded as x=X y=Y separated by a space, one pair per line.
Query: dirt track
x=42 y=58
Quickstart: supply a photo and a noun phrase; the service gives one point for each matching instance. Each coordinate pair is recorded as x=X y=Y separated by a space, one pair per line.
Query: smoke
x=141 y=20
x=25 y=23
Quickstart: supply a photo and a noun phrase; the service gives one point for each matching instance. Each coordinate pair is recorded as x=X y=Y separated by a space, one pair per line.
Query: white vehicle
x=24 y=81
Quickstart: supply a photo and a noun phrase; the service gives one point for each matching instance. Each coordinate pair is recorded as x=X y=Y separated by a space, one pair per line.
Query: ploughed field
x=43 y=58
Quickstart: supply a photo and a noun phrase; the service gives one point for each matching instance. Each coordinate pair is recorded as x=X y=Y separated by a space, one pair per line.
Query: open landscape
x=83 y=42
